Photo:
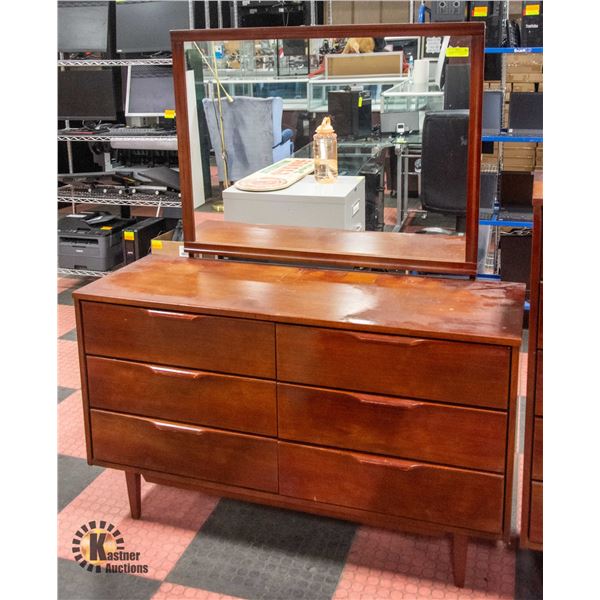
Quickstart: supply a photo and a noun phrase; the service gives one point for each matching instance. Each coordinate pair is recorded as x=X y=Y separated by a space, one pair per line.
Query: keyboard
x=139 y=131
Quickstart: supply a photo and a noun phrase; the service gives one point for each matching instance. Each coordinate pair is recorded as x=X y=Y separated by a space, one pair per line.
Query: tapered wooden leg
x=460 y=544
x=134 y=491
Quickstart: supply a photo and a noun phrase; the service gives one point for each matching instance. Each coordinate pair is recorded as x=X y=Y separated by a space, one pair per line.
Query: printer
x=90 y=240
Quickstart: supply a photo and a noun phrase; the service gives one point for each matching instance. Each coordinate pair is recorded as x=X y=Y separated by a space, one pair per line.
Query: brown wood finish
x=179 y=338
x=399 y=427
x=475 y=31
x=142 y=443
x=134 y=492
x=532 y=501
x=438 y=308
x=396 y=472
x=536 y=520
x=540 y=326
x=330 y=247
x=464 y=373
x=469 y=499
x=460 y=546
x=198 y=397
x=83 y=377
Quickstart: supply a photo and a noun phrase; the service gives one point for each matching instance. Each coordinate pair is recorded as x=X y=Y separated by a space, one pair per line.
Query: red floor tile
x=71 y=436
x=66 y=319
x=170 y=519
x=385 y=564
x=170 y=590
x=64 y=283
x=68 y=364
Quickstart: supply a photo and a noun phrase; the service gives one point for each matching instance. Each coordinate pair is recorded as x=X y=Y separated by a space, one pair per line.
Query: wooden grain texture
x=539 y=384
x=411 y=367
x=198 y=397
x=394 y=426
x=141 y=443
x=474 y=31
x=397 y=487
x=537 y=467
x=487 y=312
x=536 y=520
x=331 y=247
x=134 y=493
x=175 y=338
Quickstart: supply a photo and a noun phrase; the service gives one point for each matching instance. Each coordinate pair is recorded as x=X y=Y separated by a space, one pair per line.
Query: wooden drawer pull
x=395 y=341
x=384 y=463
x=172 y=427
x=401 y=404
x=172 y=372
x=173 y=315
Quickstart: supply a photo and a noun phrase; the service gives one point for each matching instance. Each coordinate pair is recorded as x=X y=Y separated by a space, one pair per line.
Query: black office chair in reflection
x=443 y=167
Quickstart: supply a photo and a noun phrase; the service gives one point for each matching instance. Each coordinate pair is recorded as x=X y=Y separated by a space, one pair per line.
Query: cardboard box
x=540 y=86
x=524 y=58
x=525 y=69
x=370 y=63
x=163 y=244
x=523 y=87
x=517 y=164
x=524 y=77
x=494 y=85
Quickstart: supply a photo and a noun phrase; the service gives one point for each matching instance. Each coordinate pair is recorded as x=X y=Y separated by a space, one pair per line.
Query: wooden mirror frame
x=476 y=31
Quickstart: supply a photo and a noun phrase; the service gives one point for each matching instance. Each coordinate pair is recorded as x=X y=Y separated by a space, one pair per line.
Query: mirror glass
x=399 y=107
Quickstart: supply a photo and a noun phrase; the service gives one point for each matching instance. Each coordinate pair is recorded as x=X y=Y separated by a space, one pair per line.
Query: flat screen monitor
x=526 y=110
x=83 y=26
x=457 y=86
x=492 y=111
x=149 y=91
x=144 y=26
x=87 y=94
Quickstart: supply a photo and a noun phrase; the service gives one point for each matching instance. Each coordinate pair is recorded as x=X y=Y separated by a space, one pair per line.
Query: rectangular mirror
x=405 y=102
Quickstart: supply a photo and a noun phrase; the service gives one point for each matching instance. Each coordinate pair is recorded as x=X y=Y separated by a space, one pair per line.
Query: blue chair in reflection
x=253 y=134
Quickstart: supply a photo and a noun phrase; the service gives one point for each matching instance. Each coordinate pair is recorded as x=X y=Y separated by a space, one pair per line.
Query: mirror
x=405 y=103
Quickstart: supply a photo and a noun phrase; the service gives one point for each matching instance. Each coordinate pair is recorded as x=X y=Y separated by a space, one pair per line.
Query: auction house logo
x=98 y=545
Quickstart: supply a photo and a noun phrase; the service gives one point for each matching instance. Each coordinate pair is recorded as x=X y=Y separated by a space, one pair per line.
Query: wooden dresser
x=386 y=400
x=533 y=477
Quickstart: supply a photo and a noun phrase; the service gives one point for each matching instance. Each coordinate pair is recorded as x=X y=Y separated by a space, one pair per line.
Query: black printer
x=90 y=240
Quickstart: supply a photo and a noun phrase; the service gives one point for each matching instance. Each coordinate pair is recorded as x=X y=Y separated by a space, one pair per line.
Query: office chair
x=252 y=132
x=444 y=164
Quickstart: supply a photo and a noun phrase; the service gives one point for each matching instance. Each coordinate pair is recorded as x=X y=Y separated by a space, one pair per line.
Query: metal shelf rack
x=114 y=62
x=93 y=137
x=137 y=199
x=84 y=272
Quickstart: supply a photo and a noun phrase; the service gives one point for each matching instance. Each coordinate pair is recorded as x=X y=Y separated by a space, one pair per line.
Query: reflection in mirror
x=399 y=107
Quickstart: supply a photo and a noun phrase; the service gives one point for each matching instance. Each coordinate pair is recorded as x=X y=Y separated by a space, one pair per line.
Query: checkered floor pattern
x=203 y=547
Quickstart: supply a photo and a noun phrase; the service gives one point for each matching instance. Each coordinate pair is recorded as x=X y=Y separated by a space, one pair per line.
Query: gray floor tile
x=71 y=336
x=259 y=552
x=74 y=475
x=529 y=575
x=74 y=583
x=64 y=392
x=66 y=297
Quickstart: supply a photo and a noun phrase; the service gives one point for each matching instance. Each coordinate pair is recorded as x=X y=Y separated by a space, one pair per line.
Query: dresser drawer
x=209 y=454
x=441 y=495
x=536 y=514
x=537 y=467
x=181 y=339
x=222 y=401
x=539 y=384
x=464 y=437
x=386 y=364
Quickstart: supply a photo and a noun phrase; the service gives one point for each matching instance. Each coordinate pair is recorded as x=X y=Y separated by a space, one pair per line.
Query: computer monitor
x=149 y=91
x=83 y=26
x=144 y=26
x=411 y=46
x=87 y=94
x=457 y=86
x=526 y=110
x=492 y=112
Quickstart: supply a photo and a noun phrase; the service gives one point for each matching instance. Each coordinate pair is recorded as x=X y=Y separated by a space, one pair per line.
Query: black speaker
x=444 y=11
x=350 y=112
x=457 y=86
x=515 y=256
x=532 y=34
x=444 y=161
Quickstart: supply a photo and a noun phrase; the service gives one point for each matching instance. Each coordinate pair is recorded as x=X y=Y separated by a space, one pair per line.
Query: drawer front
x=386 y=364
x=209 y=454
x=536 y=514
x=464 y=437
x=540 y=334
x=222 y=401
x=443 y=495
x=539 y=385
x=166 y=337
x=537 y=468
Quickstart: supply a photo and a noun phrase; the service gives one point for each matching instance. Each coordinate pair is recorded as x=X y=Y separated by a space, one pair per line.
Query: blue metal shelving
x=535 y=50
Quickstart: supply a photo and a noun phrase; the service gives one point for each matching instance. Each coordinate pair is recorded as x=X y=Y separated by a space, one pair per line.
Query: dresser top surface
x=485 y=312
